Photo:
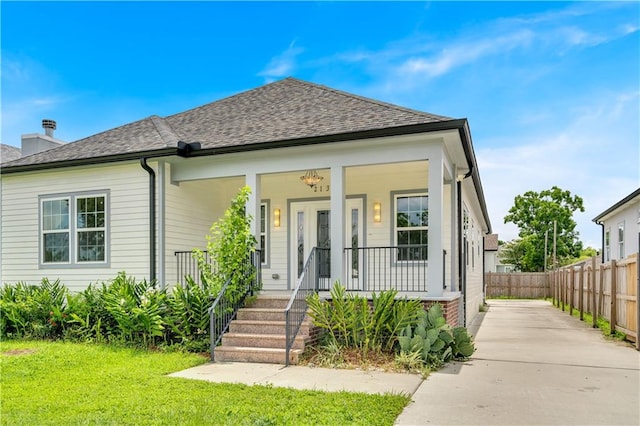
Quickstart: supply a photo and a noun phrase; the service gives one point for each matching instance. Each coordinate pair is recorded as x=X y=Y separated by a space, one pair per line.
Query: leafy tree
x=534 y=213
x=515 y=253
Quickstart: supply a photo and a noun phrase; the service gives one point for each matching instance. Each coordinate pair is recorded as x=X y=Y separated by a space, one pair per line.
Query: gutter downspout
x=152 y=218
x=602 y=252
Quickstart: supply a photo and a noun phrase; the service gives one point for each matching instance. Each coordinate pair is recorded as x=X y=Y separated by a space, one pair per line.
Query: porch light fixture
x=311 y=178
x=377 y=208
x=276 y=218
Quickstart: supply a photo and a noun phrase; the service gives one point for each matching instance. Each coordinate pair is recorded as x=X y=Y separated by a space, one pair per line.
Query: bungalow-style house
x=620 y=228
x=392 y=195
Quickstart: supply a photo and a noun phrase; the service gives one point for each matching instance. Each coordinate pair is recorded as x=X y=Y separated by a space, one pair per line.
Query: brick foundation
x=450 y=309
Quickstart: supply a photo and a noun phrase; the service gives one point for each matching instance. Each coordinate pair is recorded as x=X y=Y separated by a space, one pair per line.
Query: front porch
x=275 y=326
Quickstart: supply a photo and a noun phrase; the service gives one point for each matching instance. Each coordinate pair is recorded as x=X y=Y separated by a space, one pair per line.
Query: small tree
x=229 y=245
x=535 y=213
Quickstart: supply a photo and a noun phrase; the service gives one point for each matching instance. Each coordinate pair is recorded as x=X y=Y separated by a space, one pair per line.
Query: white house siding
x=629 y=216
x=474 y=267
x=190 y=210
x=127 y=223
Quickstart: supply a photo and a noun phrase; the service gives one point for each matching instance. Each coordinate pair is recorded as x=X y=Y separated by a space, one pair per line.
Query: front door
x=311 y=227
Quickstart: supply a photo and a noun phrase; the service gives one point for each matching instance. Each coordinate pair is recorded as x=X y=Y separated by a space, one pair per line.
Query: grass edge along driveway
x=70 y=383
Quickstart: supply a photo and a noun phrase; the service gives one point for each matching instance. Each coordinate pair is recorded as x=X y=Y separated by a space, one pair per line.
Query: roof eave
x=616 y=206
x=337 y=137
x=164 y=152
x=465 y=137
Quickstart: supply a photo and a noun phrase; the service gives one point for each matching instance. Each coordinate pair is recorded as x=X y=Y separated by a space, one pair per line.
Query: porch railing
x=186 y=265
x=402 y=268
x=224 y=308
x=307 y=284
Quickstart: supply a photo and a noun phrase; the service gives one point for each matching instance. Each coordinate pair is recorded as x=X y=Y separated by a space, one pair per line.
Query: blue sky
x=551 y=90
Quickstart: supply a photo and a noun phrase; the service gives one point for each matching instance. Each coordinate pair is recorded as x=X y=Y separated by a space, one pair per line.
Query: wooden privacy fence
x=521 y=285
x=606 y=290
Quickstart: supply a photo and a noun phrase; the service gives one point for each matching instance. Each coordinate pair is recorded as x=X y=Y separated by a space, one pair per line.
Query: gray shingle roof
x=288 y=109
x=9 y=153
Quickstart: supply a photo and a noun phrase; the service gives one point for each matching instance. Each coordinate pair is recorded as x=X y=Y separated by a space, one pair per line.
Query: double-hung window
x=607 y=245
x=74 y=229
x=411 y=226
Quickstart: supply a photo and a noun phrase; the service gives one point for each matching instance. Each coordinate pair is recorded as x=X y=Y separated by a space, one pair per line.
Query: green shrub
x=33 y=311
x=137 y=308
x=188 y=315
x=351 y=322
x=434 y=339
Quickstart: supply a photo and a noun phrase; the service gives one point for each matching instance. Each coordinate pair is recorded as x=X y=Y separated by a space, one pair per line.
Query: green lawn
x=64 y=383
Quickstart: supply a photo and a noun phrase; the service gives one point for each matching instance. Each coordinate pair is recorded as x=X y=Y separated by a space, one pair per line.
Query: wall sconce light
x=276 y=218
x=377 y=208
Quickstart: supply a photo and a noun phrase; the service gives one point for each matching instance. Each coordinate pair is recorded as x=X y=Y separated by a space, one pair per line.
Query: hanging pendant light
x=311 y=178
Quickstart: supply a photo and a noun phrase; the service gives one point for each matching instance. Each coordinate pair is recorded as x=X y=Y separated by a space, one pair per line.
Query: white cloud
x=593 y=156
x=404 y=65
x=461 y=53
x=282 y=65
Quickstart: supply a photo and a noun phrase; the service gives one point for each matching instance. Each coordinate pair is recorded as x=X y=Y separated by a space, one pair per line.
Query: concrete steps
x=258 y=334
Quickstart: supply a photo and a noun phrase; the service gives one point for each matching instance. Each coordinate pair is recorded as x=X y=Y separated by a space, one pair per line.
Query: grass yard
x=65 y=383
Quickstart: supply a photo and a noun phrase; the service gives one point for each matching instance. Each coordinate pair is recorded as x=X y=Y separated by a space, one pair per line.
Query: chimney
x=34 y=143
x=49 y=126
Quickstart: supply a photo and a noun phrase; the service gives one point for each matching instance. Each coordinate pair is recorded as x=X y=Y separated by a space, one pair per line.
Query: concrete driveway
x=534 y=365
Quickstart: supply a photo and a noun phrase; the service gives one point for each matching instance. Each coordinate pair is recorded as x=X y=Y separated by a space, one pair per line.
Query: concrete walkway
x=534 y=365
x=298 y=377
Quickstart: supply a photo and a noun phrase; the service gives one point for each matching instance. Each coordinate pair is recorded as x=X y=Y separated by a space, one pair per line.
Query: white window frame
x=621 y=240
x=395 y=227
x=607 y=245
x=73 y=230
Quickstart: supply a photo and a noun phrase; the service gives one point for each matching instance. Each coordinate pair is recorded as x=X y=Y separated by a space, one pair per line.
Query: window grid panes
x=55 y=230
x=90 y=216
x=607 y=245
x=76 y=223
x=412 y=227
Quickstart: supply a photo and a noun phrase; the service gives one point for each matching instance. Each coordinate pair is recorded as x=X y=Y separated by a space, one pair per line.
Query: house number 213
x=321 y=188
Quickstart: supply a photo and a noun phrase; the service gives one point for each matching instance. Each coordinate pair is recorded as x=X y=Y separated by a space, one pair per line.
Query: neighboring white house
x=492 y=262
x=620 y=227
x=400 y=203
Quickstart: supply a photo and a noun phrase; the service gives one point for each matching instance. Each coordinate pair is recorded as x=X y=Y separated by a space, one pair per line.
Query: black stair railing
x=226 y=305
x=297 y=307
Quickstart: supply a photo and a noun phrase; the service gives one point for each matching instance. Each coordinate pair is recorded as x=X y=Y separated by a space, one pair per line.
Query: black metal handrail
x=402 y=268
x=297 y=307
x=224 y=309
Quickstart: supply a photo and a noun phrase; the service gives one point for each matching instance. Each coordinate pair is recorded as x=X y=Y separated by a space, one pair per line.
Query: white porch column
x=435 y=271
x=253 y=203
x=337 y=224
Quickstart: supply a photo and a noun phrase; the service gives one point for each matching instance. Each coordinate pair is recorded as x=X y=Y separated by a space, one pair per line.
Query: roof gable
x=288 y=109
x=633 y=197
